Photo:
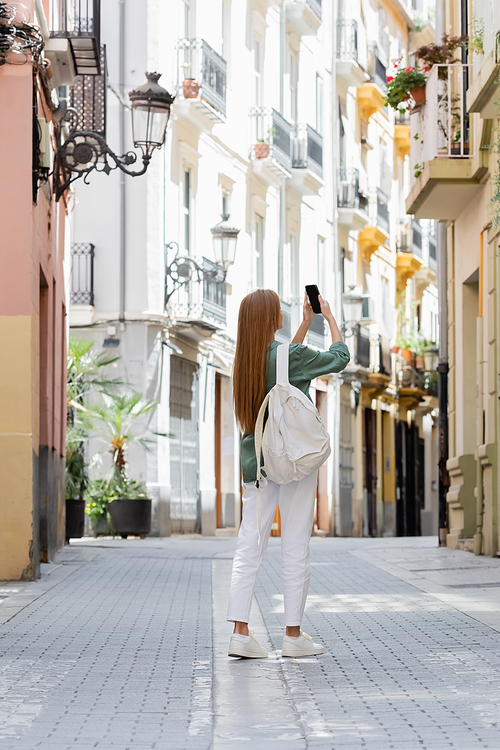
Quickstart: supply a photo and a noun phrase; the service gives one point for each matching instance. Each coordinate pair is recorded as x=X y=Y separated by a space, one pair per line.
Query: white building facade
x=273 y=123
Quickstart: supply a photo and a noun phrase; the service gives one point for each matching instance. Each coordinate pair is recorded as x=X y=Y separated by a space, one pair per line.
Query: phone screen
x=313 y=294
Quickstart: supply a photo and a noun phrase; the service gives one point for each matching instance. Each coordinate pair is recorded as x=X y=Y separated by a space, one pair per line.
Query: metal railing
x=382 y=209
x=431 y=240
x=416 y=238
x=271 y=128
x=376 y=68
x=307 y=152
x=316 y=6
x=362 y=346
x=316 y=333
x=201 y=73
x=347 y=39
x=87 y=96
x=214 y=294
x=440 y=127
x=80 y=22
x=402 y=117
x=348 y=194
x=82 y=273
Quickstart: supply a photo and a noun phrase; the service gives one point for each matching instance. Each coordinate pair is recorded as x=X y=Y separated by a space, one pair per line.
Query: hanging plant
x=405 y=83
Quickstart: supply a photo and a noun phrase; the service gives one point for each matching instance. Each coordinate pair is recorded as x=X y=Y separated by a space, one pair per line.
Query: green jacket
x=304 y=365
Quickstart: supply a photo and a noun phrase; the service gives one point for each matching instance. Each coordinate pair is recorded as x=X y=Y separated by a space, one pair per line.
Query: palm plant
x=113 y=422
x=84 y=374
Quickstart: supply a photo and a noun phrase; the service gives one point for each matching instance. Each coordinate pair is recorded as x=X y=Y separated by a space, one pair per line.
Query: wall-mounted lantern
x=84 y=151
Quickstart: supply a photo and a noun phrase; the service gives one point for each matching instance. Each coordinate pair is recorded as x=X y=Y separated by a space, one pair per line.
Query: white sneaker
x=302 y=645
x=247 y=646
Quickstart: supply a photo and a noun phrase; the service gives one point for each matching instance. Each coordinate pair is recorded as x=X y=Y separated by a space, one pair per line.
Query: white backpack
x=295 y=442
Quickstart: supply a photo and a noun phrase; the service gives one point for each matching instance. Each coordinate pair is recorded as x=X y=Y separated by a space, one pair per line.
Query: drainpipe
x=123 y=238
x=444 y=478
x=335 y=515
x=282 y=208
x=478 y=537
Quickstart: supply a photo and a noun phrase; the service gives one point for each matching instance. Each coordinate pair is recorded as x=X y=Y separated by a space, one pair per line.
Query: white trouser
x=296 y=503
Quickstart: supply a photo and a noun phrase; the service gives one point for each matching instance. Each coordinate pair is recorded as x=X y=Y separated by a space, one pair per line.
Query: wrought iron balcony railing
x=214 y=294
x=432 y=251
x=348 y=193
x=201 y=73
x=362 y=346
x=441 y=127
x=376 y=68
x=307 y=151
x=271 y=136
x=87 y=97
x=382 y=205
x=80 y=22
x=82 y=273
x=202 y=301
x=410 y=238
x=347 y=39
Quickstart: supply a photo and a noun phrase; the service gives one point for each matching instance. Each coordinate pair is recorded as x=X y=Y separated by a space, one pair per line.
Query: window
x=319 y=104
x=187 y=211
x=259 y=249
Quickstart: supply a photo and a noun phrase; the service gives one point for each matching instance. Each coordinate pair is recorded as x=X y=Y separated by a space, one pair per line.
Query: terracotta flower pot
x=261 y=150
x=395 y=349
x=190 y=88
x=420 y=363
x=418 y=94
x=407 y=355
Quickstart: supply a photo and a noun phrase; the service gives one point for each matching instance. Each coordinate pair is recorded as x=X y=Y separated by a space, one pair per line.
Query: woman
x=254 y=375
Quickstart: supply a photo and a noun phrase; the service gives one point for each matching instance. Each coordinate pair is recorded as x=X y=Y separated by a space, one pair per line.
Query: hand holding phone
x=312 y=292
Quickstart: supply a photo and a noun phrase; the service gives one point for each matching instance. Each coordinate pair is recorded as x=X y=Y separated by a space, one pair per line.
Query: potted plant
x=190 y=88
x=261 y=149
x=113 y=423
x=84 y=374
x=441 y=54
x=405 y=83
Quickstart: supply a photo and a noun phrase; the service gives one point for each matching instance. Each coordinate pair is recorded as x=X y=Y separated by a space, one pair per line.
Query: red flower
x=425 y=69
x=408 y=69
x=389 y=79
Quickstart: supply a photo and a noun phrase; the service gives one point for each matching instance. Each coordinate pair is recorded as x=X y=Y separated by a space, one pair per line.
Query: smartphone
x=313 y=294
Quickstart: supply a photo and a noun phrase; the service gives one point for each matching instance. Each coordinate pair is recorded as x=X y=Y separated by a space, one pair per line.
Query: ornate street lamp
x=225 y=237
x=84 y=150
x=431 y=358
x=181 y=270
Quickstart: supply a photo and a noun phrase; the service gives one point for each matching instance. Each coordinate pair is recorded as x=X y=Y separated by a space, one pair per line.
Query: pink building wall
x=32 y=338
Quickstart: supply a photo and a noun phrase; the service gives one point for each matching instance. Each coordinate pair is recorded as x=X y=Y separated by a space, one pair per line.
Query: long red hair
x=258 y=321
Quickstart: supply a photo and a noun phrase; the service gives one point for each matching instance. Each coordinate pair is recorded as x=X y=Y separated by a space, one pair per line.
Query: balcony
x=284 y=334
x=402 y=133
x=87 y=96
x=307 y=160
x=199 y=309
x=82 y=274
x=371 y=96
x=411 y=386
x=316 y=333
x=447 y=172
x=303 y=16
x=271 y=152
x=82 y=284
x=362 y=346
x=376 y=232
x=349 y=66
x=201 y=83
x=76 y=24
x=351 y=203
x=382 y=213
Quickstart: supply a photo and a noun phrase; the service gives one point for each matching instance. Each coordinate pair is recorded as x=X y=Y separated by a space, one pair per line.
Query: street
x=123 y=644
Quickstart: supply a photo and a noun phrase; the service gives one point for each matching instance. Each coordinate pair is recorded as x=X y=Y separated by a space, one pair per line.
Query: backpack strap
x=282 y=355
x=260 y=481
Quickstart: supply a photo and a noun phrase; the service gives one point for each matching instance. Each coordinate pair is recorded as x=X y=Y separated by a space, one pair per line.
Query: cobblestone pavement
x=123 y=645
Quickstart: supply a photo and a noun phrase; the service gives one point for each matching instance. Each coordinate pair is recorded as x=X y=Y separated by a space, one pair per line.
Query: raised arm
x=307 y=319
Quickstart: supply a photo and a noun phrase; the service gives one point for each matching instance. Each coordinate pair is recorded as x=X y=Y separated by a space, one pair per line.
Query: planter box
x=131 y=517
x=75 y=519
x=190 y=89
x=101 y=527
x=261 y=150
